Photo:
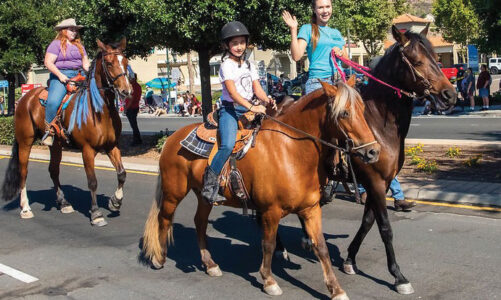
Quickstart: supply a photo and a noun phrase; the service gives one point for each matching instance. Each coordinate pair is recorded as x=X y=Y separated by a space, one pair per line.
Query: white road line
x=17 y=274
x=415 y=124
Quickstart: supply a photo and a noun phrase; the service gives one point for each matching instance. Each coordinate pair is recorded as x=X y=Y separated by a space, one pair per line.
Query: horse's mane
x=81 y=107
x=345 y=94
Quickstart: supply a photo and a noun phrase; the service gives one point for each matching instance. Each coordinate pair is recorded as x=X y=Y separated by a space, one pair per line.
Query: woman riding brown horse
x=409 y=64
x=283 y=174
x=95 y=125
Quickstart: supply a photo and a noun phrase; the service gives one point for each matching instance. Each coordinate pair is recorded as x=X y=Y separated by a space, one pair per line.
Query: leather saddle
x=71 y=88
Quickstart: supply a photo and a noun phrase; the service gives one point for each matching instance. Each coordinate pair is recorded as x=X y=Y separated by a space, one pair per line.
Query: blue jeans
x=1 y=108
x=57 y=91
x=228 y=126
x=314 y=84
x=395 y=188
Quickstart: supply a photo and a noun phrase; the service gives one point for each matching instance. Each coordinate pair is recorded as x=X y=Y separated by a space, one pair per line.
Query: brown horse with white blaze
x=283 y=173
x=94 y=123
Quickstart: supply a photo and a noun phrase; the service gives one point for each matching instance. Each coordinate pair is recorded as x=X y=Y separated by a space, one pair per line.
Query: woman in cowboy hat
x=64 y=57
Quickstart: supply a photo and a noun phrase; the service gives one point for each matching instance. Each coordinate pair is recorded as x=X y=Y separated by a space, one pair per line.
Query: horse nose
x=370 y=155
x=450 y=95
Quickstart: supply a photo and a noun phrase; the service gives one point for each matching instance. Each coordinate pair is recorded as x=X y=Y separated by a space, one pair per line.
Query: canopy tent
x=160 y=83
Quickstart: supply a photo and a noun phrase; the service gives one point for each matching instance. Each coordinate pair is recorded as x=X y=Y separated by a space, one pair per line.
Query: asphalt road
x=426 y=127
x=446 y=254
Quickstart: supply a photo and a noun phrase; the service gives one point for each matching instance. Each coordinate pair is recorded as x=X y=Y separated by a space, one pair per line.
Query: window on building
x=214 y=69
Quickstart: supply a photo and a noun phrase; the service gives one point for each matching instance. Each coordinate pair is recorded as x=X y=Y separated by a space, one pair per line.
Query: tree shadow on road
x=78 y=198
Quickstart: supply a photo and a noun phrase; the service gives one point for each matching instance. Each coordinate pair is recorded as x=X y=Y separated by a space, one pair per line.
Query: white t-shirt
x=243 y=78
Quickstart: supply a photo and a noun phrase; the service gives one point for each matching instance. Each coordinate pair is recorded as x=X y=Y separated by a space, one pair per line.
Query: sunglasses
x=74 y=29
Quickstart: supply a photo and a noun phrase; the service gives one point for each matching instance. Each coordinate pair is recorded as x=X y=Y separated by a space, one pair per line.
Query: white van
x=495 y=65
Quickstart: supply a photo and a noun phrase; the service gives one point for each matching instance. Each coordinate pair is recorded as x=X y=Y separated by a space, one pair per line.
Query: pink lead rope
x=364 y=70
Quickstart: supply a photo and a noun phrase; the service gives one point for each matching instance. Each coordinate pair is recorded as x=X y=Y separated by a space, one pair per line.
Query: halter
x=110 y=79
x=415 y=72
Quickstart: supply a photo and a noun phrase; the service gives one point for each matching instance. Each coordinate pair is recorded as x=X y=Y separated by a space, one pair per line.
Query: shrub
x=473 y=161
x=416 y=160
x=161 y=138
x=413 y=151
x=453 y=152
x=7 y=130
x=428 y=166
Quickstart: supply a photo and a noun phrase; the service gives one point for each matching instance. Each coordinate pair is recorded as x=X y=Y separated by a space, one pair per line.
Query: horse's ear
x=351 y=82
x=424 y=32
x=101 y=45
x=398 y=36
x=123 y=44
x=329 y=90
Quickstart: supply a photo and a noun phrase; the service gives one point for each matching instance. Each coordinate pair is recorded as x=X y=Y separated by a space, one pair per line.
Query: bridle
x=109 y=78
x=415 y=72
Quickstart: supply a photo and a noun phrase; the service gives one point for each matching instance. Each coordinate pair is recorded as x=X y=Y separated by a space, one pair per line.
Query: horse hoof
x=349 y=269
x=405 y=289
x=273 y=290
x=214 y=272
x=26 y=214
x=342 y=296
x=282 y=254
x=306 y=244
x=155 y=264
x=99 y=222
x=114 y=204
x=67 y=209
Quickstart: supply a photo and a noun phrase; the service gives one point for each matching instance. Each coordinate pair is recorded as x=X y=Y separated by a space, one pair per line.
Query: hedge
x=6 y=130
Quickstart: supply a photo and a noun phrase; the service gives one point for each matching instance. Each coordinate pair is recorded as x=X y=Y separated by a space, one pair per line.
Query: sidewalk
x=450 y=191
x=494 y=111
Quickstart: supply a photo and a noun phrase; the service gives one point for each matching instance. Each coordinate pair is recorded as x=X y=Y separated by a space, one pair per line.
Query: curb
x=142 y=167
x=452 y=197
x=494 y=145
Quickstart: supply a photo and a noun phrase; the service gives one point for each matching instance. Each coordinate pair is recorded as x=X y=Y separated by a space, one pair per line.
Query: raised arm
x=297 y=45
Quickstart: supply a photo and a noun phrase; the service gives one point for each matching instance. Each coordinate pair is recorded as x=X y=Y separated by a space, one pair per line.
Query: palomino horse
x=409 y=64
x=94 y=123
x=283 y=174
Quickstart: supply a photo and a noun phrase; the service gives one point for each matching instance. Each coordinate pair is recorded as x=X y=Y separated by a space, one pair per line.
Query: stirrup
x=48 y=138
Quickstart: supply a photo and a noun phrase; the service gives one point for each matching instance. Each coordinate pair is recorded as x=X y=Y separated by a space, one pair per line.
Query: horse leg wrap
x=114 y=204
x=97 y=219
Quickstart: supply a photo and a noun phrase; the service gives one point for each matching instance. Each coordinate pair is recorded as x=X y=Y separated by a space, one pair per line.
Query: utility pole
x=167 y=65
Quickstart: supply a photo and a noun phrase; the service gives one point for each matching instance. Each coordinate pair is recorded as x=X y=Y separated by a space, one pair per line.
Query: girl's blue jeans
x=314 y=84
x=228 y=126
x=395 y=188
x=57 y=91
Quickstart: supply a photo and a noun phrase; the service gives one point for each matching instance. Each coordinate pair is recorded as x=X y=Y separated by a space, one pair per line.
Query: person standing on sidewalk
x=397 y=194
x=132 y=108
x=2 y=101
x=469 y=87
x=483 y=86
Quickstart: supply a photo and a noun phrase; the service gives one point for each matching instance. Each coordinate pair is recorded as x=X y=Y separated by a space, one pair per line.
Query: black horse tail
x=12 y=179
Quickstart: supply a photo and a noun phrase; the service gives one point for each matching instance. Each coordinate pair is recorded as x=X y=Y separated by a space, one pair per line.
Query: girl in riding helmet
x=65 y=56
x=240 y=82
x=318 y=39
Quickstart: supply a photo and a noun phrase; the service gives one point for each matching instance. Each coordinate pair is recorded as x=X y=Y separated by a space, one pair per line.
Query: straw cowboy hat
x=67 y=23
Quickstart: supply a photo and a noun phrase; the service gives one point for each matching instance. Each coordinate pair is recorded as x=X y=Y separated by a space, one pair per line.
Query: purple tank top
x=73 y=58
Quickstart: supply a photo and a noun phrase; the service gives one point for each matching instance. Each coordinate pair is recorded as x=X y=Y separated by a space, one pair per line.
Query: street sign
x=4 y=84
x=473 y=57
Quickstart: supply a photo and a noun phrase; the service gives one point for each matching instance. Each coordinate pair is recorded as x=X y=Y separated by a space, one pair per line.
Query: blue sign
x=473 y=57
x=4 y=84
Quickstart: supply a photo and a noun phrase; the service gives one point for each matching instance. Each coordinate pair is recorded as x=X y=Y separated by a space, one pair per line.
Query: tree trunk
x=191 y=75
x=11 y=78
x=204 y=65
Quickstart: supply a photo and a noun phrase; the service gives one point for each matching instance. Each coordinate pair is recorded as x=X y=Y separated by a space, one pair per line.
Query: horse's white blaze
x=120 y=58
x=25 y=202
x=17 y=274
x=119 y=194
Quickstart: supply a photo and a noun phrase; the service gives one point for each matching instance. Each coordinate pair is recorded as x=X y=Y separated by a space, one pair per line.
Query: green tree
x=26 y=29
x=489 y=16
x=195 y=25
x=370 y=20
x=457 y=21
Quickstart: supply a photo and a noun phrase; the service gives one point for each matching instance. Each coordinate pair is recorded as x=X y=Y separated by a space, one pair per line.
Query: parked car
x=450 y=73
x=495 y=65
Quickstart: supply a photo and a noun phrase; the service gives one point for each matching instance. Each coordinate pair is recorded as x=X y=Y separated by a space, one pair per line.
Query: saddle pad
x=196 y=145
x=44 y=94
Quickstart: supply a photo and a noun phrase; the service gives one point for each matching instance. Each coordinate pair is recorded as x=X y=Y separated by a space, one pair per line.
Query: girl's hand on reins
x=338 y=51
x=63 y=78
x=258 y=109
x=272 y=102
x=289 y=19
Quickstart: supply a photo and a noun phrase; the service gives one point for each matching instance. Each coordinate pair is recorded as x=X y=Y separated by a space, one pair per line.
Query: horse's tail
x=12 y=180
x=152 y=249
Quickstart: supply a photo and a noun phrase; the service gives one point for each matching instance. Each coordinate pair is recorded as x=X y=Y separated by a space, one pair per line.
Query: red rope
x=364 y=70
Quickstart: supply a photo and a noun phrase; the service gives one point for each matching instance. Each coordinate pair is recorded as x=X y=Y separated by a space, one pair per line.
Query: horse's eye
x=345 y=114
x=418 y=64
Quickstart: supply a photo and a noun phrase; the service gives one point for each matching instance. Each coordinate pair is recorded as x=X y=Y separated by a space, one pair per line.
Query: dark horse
x=409 y=64
x=283 y=173
x=94 y=123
